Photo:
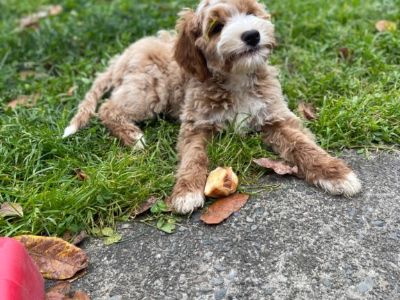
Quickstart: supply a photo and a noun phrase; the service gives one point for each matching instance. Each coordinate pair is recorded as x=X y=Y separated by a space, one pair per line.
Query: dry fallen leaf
x=307 y=110
x=345 y=53
x=27 y=74
x=80 y=174
x=33 y=19
x=71 y=90
x=62 y=291
x=56 y=258
x=79 y=238
x=10 y=209
x=279 y=167
x=58 y=291
x=75 y=239
x=145 y=206
x=79 y=295
x=385 y=25
x=222 y=208
x=23 y=100
x=221 y=182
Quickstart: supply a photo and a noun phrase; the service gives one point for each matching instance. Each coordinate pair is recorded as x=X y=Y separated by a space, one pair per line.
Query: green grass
x=358 y=101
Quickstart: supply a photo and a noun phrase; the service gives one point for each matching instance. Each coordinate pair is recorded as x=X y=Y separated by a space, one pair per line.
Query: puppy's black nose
x=251 y=37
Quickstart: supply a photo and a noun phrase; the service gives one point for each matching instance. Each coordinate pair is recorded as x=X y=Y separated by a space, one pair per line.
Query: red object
x=20 y=278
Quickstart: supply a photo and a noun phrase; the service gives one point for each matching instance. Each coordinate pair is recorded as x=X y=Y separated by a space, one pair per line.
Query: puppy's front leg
x=294 y=144
x=188 y=193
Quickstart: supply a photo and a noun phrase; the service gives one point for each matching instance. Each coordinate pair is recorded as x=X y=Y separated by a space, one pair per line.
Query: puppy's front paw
x=348 y=186
x=187 y=202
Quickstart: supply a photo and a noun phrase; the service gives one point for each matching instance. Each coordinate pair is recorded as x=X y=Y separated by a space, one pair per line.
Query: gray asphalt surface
x=293 y=243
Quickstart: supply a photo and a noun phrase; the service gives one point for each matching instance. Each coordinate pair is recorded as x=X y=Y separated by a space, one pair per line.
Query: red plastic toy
x=20 y=279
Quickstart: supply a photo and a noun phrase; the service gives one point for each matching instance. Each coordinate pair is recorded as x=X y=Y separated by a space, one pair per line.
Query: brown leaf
x=344 y=53
x=56 y=258
x=58 y=291
x=71 y=90
x=279 y=167
x=32 y=20
x=75 y=239
x=62 y=291
x=79 y=295
x=79 y=238
x=307 y=110
x=81 y=175
x=222 y=208
x=145 y=206
x=385 y=25
x=23 y=100
x=10 y=209
x=77 y=276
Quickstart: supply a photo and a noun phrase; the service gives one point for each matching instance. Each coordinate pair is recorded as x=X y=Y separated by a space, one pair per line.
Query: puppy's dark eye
x=216 y=27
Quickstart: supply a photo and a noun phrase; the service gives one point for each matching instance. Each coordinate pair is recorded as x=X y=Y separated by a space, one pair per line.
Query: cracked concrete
x=293 y=243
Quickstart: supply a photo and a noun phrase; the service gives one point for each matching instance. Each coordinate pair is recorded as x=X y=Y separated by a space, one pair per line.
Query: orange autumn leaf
x=222 y=208
x=55 y=258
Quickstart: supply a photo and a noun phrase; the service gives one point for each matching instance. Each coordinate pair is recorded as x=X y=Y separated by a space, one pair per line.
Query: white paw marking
x=140 y=142
x=70 y=130
x=348 y=186
x=188 y=202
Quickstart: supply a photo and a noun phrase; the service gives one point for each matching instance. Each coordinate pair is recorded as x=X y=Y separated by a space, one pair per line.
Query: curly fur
x=208 y=75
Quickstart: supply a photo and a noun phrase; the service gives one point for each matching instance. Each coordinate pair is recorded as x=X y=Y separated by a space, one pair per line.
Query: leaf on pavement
x=145 y=206
x=385 y=25
x=32 y=20
x=11 y=209
x=23 y=100
x=62 y=291
x=279 y=167
x=222 y=208
x=75 y=239
x=307 y=110
x=56 y=258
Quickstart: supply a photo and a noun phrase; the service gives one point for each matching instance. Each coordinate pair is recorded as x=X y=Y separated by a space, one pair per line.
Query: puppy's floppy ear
x=187 y=54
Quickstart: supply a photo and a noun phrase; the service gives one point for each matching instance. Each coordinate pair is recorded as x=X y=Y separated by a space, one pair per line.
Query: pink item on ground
x=20 y=278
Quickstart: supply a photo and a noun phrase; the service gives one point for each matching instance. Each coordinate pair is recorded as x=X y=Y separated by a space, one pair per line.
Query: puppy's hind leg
x=129 y=104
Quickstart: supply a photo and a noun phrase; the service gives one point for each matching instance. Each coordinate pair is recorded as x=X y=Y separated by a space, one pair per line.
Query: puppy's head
x=228 y=36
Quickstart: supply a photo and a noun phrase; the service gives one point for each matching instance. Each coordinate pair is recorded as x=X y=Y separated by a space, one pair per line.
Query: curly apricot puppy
x=213 y=72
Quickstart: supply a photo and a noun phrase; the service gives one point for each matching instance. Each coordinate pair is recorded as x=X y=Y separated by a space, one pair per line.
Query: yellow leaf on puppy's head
x=221 y=182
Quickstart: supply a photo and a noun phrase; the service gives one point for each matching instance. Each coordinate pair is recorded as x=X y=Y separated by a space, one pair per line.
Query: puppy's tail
x=87 y=107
